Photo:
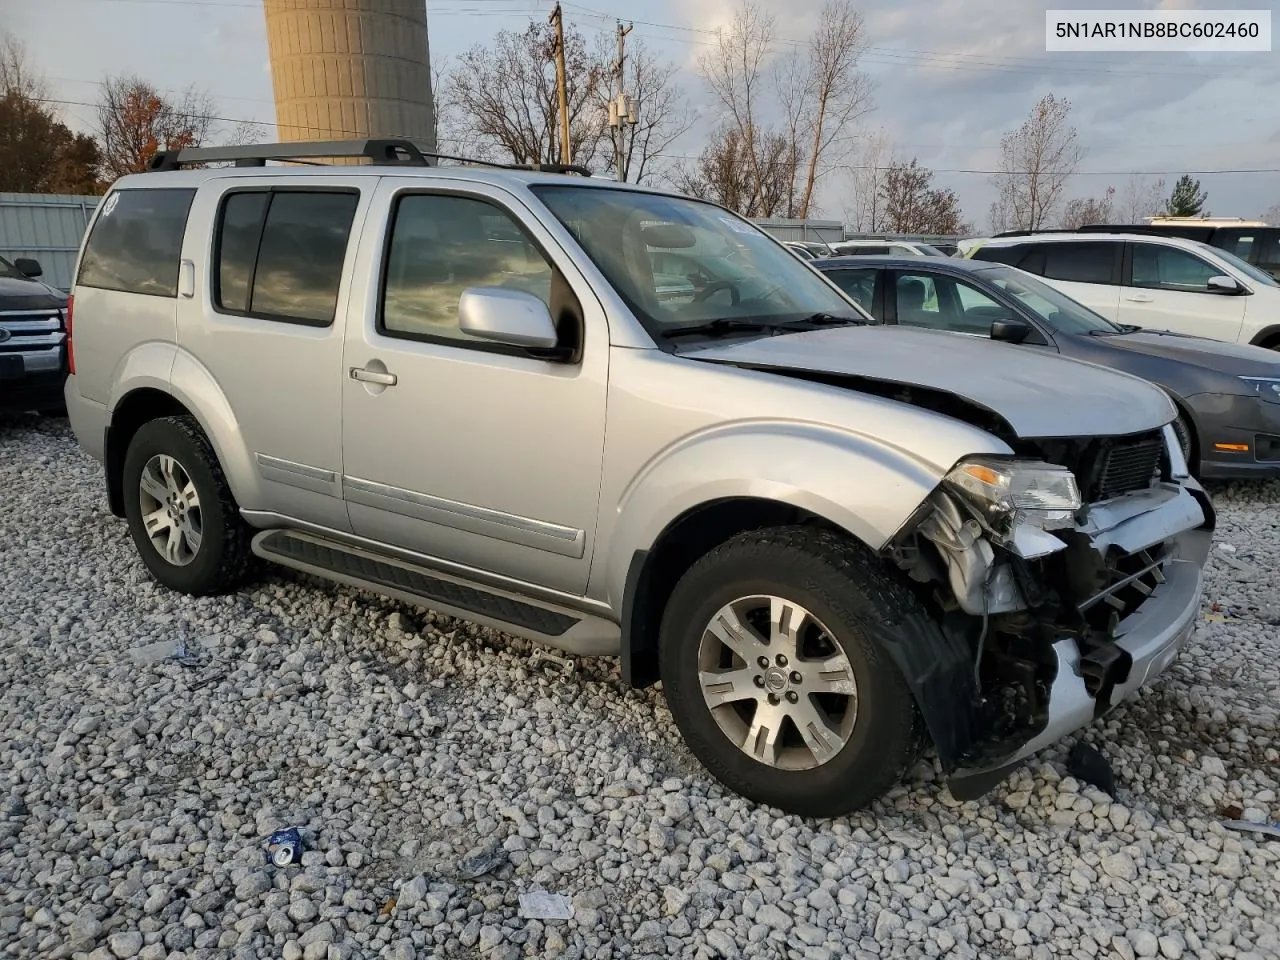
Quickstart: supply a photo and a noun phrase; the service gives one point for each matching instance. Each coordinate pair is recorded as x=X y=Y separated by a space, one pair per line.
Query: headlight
x=1268 y=388
x=1005 y=493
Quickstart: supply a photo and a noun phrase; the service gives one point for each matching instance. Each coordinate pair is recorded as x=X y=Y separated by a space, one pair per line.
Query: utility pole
x=622 y=109
x=558 y=19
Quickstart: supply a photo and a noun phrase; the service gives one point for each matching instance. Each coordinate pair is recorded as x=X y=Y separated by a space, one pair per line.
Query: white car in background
x=885 y=248
x=1153 y=282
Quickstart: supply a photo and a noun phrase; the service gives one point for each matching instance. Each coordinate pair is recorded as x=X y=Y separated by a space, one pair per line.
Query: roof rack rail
x=399 y=152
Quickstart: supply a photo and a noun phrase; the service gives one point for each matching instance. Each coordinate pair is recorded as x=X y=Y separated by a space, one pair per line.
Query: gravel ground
x=134 y=798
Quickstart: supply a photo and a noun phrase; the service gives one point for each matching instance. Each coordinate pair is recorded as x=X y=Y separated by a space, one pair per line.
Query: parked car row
x=839 y=509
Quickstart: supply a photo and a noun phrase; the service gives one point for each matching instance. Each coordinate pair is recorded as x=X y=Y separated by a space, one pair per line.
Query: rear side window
x=1080 y=262
x=1008 y=255
x=279 y=254
x=136 y=242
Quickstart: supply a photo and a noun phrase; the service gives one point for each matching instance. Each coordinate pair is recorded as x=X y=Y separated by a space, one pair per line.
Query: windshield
x=1049 y=304
x=1248 y=269
x=677 y=261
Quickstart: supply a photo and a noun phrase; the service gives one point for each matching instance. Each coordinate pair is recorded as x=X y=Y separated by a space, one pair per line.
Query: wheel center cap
x=775 y=680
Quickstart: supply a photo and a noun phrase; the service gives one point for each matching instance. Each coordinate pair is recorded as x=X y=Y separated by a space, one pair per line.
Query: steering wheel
x=714 y=287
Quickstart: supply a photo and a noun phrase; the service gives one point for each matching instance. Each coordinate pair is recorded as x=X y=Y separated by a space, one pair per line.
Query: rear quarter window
x=136 y=242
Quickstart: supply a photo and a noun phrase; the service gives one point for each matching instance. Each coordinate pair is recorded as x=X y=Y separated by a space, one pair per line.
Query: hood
x=18 y=294
x=1037 y=394
x=1237 y=360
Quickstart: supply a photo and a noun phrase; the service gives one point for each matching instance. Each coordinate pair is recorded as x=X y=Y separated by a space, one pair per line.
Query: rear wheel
x=183 y=518
x=772 y=671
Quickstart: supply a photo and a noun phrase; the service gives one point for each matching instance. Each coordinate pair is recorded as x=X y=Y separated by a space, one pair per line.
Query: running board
x=564 y=629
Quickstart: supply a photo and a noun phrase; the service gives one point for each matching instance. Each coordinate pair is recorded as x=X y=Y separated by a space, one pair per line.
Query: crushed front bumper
x=1147 y=639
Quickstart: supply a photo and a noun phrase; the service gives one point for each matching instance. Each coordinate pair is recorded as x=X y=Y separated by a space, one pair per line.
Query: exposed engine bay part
x=981 y=586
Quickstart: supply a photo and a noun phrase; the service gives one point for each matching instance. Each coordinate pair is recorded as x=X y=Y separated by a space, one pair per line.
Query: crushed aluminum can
x=284 y=847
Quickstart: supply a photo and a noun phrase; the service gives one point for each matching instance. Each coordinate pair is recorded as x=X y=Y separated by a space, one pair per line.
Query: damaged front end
x=1065 y=578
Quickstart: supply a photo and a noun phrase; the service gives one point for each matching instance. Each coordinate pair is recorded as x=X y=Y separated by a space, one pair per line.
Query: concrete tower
x=347 y=69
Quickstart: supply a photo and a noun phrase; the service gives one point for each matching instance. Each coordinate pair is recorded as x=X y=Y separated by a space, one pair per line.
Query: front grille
x=1126 y=467
x=30 y=330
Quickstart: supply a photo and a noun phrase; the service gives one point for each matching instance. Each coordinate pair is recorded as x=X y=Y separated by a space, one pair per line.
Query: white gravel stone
x=399 y=740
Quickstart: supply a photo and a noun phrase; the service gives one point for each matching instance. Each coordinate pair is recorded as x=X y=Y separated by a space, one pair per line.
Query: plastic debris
x=284 y=847
x=179 y=649
x=1266 y=829
x=563 y=665
x=1087 y=764
x=540 y=905
x=1226 y=548
x=481 y=861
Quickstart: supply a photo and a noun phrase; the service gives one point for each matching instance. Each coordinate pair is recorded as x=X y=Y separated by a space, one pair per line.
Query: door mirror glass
x=28 y=267
x=1010 y=331
x=1223 y=284
x=503 y=315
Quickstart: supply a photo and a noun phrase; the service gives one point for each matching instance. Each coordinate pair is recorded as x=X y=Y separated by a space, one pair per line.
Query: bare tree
x=665 y=115
x=722 y=173
x=135 y=120
x=504 y=104
x=792 y=82
x=838 y=94
x=733 y=69
x=913 y=205
x=17 y=76
x=873 y=159
x=1081 y=211
x=1142 y=198
x=1036 y=162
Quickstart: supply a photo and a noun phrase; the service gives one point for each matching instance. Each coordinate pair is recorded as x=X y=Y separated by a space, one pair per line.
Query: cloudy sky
x=951 y=76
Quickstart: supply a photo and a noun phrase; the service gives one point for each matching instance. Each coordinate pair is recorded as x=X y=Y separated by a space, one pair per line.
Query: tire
x=1187 y=441
x=219 y=559
x=849 y=599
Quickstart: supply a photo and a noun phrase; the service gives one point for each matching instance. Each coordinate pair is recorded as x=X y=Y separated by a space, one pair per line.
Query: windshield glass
x=677 y=261
x=1049 y=304
x=1248 y=269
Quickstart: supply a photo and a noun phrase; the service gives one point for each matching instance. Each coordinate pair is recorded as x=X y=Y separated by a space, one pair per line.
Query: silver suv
x=628 y=423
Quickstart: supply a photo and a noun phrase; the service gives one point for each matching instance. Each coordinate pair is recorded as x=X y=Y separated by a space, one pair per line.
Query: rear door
x=1085 y=270
x=1167 y=288
x=272 y=266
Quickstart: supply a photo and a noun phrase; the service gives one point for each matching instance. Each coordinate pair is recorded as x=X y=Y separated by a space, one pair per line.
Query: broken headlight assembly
x=1006 y=495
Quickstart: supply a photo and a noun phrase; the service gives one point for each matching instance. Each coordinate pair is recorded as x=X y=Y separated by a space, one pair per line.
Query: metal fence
x=47 y=228
x=812 y=231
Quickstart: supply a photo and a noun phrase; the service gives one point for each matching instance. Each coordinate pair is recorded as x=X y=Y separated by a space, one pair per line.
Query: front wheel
x=775 y=679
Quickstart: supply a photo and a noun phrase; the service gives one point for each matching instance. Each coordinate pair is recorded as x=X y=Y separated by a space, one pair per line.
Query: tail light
x=71 y=352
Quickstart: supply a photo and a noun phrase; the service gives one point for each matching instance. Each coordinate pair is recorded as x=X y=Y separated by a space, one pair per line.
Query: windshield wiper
x=1123 y=329
x=827 y=319
x=719 y=325
x=745 y=325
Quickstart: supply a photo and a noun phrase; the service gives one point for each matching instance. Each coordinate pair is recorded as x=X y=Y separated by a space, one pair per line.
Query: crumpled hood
x=1037 y=394
x=1237 y=360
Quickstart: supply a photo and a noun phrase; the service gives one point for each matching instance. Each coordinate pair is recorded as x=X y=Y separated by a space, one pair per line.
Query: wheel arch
x=1267 y=337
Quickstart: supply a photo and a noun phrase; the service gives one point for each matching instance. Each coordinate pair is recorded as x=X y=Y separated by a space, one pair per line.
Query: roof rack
x=395 y=152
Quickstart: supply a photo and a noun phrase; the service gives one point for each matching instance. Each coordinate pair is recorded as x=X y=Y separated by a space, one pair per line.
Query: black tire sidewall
x=166 y=437
x=882 y=736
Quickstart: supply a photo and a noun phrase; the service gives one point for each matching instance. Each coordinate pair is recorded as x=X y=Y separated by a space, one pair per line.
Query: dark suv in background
x=33 y=332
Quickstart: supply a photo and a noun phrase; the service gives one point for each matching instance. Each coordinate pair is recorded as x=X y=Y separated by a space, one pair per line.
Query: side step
x=565 y=629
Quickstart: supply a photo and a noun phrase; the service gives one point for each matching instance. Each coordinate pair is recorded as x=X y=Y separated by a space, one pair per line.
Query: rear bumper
x=88 y=420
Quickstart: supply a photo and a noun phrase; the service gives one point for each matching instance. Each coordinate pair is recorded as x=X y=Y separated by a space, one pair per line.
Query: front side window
x=1159 y=267
x=1257 y=274
x=858 y=283
x=741 y=273
x=279 y=254
x=441 y=245
x=1080 y=262
x=136 y=242
x=944 y=303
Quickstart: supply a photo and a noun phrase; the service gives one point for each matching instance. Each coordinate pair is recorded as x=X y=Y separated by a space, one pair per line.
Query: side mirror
x=1010 y=331
x=28 y=267
x=1223 y=284
x=502 y=315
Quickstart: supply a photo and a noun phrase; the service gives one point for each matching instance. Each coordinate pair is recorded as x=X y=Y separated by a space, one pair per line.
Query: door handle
x=373 y=376
x=1140 y=298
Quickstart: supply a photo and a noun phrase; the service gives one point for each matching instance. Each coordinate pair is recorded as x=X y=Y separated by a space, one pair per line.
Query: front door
x=454 y=447
x=1168 y=289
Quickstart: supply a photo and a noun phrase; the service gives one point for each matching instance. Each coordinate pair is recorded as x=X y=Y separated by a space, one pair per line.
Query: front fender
x=863 y=485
